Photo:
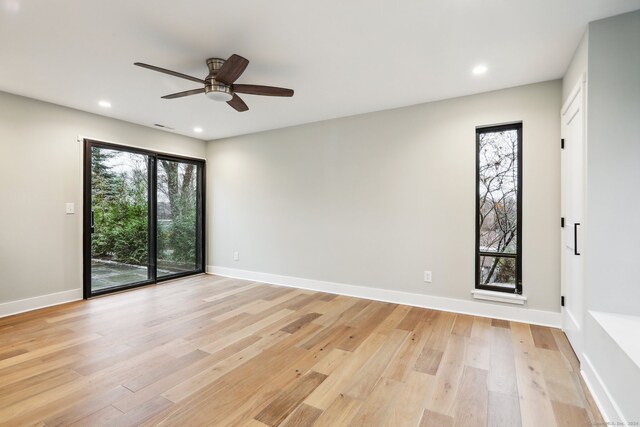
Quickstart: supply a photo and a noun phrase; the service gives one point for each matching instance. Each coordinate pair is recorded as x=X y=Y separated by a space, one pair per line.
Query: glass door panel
x=120 y=229
x=178 y=206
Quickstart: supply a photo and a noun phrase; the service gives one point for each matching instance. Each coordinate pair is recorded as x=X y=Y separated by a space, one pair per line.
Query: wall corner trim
x=471 y=307
x=20 y=306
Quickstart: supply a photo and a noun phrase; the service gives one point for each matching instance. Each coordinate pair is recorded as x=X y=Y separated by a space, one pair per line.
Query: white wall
x=374 y=200
x=577 y=67
x=613 y=165
x=40 y=170
x=612 y=270
x=610 y=55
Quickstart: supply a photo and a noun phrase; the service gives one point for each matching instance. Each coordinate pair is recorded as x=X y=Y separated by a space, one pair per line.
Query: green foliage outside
x=177 y=227
x=119 y=202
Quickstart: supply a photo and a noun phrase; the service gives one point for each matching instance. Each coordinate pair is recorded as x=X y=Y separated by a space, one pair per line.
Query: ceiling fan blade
x=237 y=103
x=232 y=69
x=185 y=93
x=172 y=73
x=262 y=90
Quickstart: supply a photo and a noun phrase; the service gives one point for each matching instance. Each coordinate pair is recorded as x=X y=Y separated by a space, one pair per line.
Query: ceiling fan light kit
x=212 y=88
x=219 y=83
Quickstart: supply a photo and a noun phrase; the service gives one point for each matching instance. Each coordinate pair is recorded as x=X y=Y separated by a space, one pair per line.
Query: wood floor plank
x=297 y=324
x=127 y=403
x=499 y=323
x=334 y=385
x=202 y=379
x=264 y=392
x=207 y=350
x=503 y=410
x=328 y=337
x=543 y=338
x=85 y=409
x=535 y=406
x=327 y=297
x=558 y=377
x=234 y=335
x=472 y=399
x=375 y=410
x=365 y=323
x=569 y=415
x=363 y=381
x=565 y=348
x=502 y=368
x=106 y=416
x=339 y=412
x=289 y=399
x=331 y=362
x=481 y=331
x=411 y=319
x=412 y=400
x=34 y=385
x=462 y=325
x=303 y=416
x=429 y=361
x=440 y=334
x=142 y=413
x=342 y=310
x=151 y=376
x=448 y=377
x=433 y=419
x=404 y=362
x=595 y=417
x=393 y=320
x=478 y=356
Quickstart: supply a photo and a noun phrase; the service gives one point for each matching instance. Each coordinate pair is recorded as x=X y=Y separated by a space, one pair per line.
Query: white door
x=572 y=205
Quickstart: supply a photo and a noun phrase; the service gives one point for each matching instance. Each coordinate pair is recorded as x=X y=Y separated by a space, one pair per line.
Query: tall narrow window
x=499 y=208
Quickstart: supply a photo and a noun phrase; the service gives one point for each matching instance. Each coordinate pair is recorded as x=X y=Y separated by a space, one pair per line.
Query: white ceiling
x=342 y=57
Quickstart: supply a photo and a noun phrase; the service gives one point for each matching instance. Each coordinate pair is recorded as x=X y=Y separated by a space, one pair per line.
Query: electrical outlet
x=236 y=256
x=427 y=276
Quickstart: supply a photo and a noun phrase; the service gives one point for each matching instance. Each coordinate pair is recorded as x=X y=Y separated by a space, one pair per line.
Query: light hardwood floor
x=214 y=351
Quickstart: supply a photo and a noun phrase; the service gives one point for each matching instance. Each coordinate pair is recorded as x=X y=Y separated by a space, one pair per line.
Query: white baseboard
x=606 y=404
x=475 y=308
x=28 y=304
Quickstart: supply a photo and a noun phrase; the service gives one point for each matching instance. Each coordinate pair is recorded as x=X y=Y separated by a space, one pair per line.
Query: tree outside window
x=498 y=208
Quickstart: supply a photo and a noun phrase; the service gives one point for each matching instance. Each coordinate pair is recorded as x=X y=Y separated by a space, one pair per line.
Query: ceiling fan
x=219 y=83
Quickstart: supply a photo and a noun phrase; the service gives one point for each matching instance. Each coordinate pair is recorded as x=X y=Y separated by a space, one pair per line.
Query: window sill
x=499 y=296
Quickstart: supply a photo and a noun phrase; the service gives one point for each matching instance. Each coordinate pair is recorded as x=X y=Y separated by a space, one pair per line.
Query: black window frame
x=153 y=156
x=517 y=126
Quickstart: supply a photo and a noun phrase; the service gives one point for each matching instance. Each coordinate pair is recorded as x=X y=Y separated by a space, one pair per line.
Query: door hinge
x=562 y=301
x=562 y=143
x=562 y=222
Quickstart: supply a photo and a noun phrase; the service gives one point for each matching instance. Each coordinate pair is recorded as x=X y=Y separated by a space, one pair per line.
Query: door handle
x=92 y=222
x=575 y=238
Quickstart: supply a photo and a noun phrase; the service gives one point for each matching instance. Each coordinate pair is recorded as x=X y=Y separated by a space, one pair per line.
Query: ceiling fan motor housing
x=212 y=88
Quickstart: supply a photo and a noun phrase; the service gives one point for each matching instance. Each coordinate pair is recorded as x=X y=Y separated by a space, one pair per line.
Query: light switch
x=71 y=208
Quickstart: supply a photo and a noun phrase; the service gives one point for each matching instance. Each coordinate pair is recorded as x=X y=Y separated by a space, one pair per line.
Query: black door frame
x=153 y=156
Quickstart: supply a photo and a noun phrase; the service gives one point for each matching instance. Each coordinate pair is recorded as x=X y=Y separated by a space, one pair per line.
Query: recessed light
x=197 y=130
x=104 y=104
x=479 y=69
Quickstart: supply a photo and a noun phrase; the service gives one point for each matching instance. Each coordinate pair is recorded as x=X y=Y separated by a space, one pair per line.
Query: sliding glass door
x=144 y=217
x=120 y=218
x=178 y=214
